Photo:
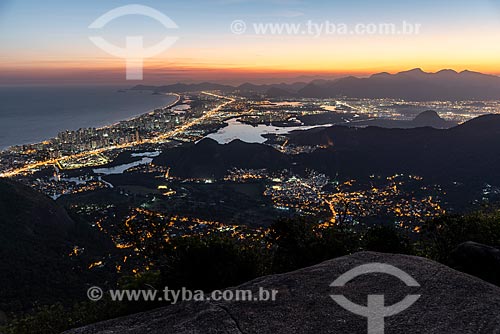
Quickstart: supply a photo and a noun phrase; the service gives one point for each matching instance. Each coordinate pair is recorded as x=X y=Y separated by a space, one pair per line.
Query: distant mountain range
x=413 y=85
x=282 y=89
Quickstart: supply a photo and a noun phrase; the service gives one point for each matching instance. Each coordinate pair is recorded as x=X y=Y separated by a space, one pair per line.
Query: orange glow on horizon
x=266 y=56
x=116 y=71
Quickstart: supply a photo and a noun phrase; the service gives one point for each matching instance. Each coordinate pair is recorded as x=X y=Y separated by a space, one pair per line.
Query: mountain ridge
x=467 y=152
x=412 y=85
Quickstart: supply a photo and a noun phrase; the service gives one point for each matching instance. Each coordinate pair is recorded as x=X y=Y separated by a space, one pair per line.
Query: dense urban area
x=112 y=177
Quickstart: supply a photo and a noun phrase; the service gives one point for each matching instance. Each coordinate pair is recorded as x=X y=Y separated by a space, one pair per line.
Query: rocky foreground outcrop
x=450 y=302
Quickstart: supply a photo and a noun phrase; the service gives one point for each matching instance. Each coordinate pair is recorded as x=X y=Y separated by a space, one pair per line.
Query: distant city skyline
x=48 y=42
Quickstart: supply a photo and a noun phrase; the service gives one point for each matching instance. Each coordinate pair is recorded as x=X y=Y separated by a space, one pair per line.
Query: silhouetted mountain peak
x=207 y=142
x=447 y=71
x=413 y=72
x=381 y=75
x=430 y=118
x=447 y=74
x=237 y=142
x=428 y=115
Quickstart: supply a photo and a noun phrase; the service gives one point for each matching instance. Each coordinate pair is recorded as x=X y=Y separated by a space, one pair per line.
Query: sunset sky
x=48 y=41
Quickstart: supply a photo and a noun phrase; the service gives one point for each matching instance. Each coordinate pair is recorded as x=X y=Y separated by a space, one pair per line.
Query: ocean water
x=33 y=114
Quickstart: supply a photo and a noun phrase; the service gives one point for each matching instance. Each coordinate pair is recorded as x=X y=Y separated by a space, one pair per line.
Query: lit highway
x=30 y=167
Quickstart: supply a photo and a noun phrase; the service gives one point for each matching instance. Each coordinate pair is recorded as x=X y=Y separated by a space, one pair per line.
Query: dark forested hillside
x=36 y=237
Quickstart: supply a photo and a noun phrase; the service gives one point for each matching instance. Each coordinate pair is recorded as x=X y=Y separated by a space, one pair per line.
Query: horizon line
x=193 y=75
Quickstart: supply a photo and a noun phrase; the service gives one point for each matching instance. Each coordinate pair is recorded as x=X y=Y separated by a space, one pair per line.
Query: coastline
x=110 y=124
